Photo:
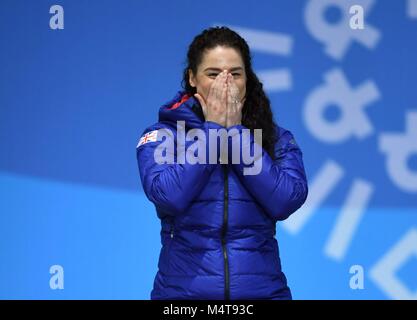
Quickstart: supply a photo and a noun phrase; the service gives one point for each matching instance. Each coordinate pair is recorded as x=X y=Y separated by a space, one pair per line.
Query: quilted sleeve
x=279 y=186
x=172 y=185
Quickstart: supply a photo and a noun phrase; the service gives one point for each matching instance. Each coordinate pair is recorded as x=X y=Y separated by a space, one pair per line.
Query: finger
x=218 y=86
x=234 y=88
x=223 y=96
x=213 y=86
x=231 y=95
x=236 y=93
x=221 y=85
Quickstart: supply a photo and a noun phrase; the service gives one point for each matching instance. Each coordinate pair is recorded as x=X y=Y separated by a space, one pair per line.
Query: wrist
x=234 y=123
x=215 y=123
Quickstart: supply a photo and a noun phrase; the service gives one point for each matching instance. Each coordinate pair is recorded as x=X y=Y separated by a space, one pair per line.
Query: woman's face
x=215 y=61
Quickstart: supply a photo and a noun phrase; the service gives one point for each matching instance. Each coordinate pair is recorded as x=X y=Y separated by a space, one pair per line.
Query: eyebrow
x=218 y=69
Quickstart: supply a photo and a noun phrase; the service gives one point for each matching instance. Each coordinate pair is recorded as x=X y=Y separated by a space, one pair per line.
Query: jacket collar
x=182 y=107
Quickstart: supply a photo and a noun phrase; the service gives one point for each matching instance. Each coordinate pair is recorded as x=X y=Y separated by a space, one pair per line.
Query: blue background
x=74 y=102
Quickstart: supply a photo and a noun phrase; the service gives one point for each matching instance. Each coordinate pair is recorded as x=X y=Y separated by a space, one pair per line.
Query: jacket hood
x=183 y=107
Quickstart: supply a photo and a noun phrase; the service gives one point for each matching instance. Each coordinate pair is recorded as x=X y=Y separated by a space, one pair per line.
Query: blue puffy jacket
x=217 y=224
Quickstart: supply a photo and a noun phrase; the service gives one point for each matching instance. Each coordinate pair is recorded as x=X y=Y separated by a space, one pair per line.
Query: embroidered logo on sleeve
x=148 y=137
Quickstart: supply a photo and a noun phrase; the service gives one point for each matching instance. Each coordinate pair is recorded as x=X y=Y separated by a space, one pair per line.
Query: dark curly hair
x=256 y=111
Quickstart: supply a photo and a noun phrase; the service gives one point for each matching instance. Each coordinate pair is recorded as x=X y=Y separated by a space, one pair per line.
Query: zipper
x=223 y=238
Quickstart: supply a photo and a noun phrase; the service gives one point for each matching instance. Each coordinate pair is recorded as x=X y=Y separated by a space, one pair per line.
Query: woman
x=217 y=223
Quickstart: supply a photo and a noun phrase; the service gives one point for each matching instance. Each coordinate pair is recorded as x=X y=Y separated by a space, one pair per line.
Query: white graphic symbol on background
x=412 y=9
x=398 y=149
x=350 y=101
x=338 y=37
x=351 y=212
x=384 y=271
